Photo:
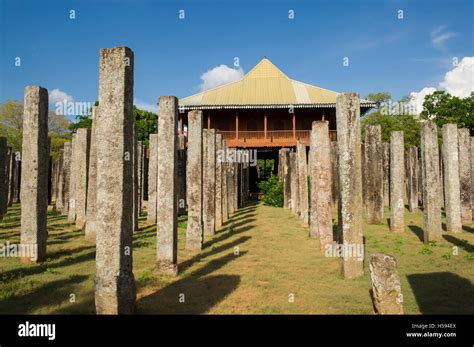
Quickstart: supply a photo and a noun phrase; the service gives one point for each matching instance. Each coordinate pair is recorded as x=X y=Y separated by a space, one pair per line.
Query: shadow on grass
x=460 y=243
x=468 y=229
x=200 y=293
x=417 y=231
x=442 y=293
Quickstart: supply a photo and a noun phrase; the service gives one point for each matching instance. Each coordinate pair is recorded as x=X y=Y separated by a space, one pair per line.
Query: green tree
x=379 y=98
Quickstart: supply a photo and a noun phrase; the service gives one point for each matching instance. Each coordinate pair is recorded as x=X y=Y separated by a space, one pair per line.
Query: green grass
x=275 y=259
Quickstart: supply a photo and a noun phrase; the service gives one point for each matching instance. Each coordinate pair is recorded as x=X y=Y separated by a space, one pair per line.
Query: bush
x=272 y=190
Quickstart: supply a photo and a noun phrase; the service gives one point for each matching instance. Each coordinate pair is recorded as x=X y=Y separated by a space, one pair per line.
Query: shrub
x=272 y=190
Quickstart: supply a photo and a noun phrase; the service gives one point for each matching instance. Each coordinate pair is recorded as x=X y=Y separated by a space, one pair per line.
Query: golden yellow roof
x=263 y=86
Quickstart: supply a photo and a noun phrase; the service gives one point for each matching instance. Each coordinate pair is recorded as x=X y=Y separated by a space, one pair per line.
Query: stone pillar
x=194 y=231
x=465 y=174
x=230 y=180
x=3 y=176
x=235 y=184
x=181 y=175
x=140 y=163
x=412 y=169
x=386 y=289
x=218 y=156
x=209 y=181
x=34 y=173
x=320 y=174
x=225 y=208
x=294 y=183
x=303 y=181
x=442 y=191
x=59 y=197
x=350 y=182
x=334 y=175
x=72 y=181
x=286 y=177
x=472 y=176
x=397 y=181
x=152 y=179
x=91 y=210
x=386 y=173
x=83 y=137
x=114 y=281
x=65 y=177
x=167 y=212
x=136 y=194
x=374 y=173
x=451 y=178
x=430 y=177
x=15 y=179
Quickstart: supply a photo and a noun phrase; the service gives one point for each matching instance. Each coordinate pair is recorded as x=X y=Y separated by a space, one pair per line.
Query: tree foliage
x=379 y=98
x=272 y=190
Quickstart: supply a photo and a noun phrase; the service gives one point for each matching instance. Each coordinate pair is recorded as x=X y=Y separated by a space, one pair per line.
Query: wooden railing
x=272 y=138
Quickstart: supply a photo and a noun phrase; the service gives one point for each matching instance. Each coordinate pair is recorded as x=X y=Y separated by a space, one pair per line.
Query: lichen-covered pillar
x=225 y=208
x=386 y=173
x=430 y=178
x=350 y=182
x=209 y=181
x=14 y=179
x=286 y=177
x=167 y=208
x=412 y=169
x=472 y=176
x=294 y=183
x=386 y=289
x=451 y=178
x=3 y=176
x=152 y=179
x=374 y=173
x=181 y=175
x=136 y=194
x=442 y=190
x=114 y=282
x=91 y=209
x=140 y=158
x=230 y=180
x=218 y=195
x=194 y=186
x=320 y=174
x=397 y=181
x=334 y=174
x=465 y=174
x=82 y=147
x=65 y=177
x=235 y=184
x=303 y=181
x=72 y=181
x=59 y=193
x=34 y=173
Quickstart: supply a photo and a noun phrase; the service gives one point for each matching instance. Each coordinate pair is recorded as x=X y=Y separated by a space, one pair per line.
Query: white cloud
x=460 y=80
x=439 y=36
x=142 y=105
x=220 y=75
x=57 y=95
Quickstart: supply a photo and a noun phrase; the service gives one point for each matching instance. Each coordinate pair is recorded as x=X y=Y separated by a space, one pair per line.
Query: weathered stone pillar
x=140 y=155
x=386 y=289
x=181 y=175
x=451 y=178
x=303 y=181
x=230 y=180
x=320 y=174
x=235 y=185
x=83 y=137
x=167 y=212
x=397 y=181
x=294 y=183
x=152 y=179
x=472 y=176
x=334 y=174
x=412 y=169
x=194 y=186
x=3 y=176
x=431 y=186
x=209 y=181
x=218 y=156
x=59 y=197
x=34 y=173
x=374 y=173
x=72 y=181
x=91 y=210
x=136 y=194
x=350 y=182
x=114 y=281
x=442 y=190
x=15 y=179
x=386 y=173
x=225 y=207
x=465 y=174
x=286 y=177
x=66 y=176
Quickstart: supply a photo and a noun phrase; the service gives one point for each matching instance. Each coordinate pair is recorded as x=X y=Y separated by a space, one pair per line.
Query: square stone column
x=181 y=175
x=465 y=174
x=230 y=180
x=334 y=174
x=218 y=196
x=451 y=178
x=140 y=163
x=209 y=181
x=152 y=179
x=294 y=203
x=167 y=208
x=373 y=173
x=386 y=173
x=65 y=177
x=34 y=173
x=3 y=176
x=114 y=281
x=303 y=181
x=286 y=177
x=397 y=182
x=472 y=176
x=412 y=169
x=83 y=137
x=430 y=178
x=136 y=178
x=194 y=231
x=320 y=176
x=72 y=180
x=350 y=182
x=91 y=211
x=59 y=188
x=225 y=194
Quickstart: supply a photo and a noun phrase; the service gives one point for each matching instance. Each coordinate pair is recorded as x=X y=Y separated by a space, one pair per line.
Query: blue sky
x=171 y=54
